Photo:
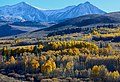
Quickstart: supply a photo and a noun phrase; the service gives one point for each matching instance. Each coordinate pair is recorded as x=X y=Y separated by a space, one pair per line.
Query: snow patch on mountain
x=30 y=13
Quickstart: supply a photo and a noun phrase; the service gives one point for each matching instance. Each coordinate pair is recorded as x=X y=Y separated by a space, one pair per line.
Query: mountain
x=23 y=10
x=27 y=12
x=72 y=25
x=53 y=12
x=73 y=11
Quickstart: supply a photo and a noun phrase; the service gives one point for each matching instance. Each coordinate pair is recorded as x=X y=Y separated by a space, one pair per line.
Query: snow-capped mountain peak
x=28 y=12
x=22 y=3
x=24 y=10
x=87 y=2
x=74 y=11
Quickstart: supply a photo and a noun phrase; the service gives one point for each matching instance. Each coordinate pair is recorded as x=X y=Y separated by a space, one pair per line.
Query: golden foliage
x=49 y=66
x=12 y=60
x=40 y=46
x=71 y=44
x=116 y=74
x=70 y=65
x=95 y=71
x=34 y=63
x=109 y=47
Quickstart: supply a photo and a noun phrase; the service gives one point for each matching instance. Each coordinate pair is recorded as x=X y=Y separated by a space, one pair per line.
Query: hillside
x=14 y=28
x=83 y=21
x=88 y=20
x=6 y=30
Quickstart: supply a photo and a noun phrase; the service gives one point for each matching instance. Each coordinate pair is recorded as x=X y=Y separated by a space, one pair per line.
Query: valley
x=78 y=43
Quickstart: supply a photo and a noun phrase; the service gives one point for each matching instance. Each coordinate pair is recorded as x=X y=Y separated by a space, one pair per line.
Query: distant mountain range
x=25 y=12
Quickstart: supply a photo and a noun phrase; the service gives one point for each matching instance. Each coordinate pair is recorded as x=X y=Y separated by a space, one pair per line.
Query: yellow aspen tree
x=116 y=74
x=34 y=64
x=95 y=71
x=12 y=60
x=53 y=65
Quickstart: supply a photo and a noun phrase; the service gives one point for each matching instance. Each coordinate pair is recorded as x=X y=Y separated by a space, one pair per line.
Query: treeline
x=18 y=51
x=68 y=31
x=105 y=38
x=60 y=45
x=78 y=30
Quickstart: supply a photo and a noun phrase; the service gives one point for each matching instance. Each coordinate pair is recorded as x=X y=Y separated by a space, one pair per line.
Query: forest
x=75 y=57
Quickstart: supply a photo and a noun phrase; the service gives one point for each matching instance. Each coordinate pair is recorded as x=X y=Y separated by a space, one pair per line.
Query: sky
x=106 y=5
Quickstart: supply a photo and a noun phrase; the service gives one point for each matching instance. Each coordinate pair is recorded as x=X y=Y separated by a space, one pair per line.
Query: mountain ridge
x=31 y=13
x=75 y=11
x=24 y=10
x=84 y=21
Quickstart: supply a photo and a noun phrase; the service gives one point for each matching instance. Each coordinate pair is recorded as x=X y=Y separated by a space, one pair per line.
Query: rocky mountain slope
x=25 y=12
x=73 y=11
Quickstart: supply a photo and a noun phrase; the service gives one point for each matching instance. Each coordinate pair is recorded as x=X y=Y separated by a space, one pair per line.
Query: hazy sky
x=106 y=5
